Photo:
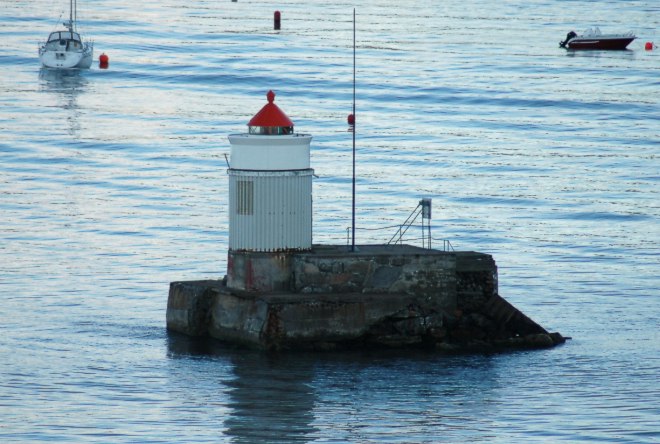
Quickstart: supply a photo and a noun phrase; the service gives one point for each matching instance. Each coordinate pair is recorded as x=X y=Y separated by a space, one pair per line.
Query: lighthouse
x=270 y=185
x=281 y=292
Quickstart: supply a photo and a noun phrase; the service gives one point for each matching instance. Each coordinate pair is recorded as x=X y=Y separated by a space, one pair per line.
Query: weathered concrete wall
x=238 y=319
x=375 y=271
x=372 y=269
x=394 y=296
x=476 y=279
x=188 y=306
x=346 y=320
x=259 y=271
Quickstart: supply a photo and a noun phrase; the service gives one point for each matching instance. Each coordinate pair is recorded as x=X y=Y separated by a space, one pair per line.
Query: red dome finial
x=271 y=116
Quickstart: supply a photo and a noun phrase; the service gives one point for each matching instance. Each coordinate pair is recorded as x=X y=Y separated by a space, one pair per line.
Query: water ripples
x=113 y=184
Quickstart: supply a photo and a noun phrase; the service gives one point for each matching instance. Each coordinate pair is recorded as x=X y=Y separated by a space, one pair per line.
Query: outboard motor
x=569 y=36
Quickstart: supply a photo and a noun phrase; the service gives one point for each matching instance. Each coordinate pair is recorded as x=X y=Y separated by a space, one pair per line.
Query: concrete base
x=378 y=296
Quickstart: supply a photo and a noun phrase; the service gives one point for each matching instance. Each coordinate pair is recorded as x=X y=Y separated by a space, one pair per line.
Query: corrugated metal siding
x=281 y=210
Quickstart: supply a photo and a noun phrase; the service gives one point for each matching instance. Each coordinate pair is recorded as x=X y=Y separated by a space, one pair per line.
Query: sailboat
x=66 y=48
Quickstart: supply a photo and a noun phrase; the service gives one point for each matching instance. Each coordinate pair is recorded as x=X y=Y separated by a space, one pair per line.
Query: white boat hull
x=63 y=59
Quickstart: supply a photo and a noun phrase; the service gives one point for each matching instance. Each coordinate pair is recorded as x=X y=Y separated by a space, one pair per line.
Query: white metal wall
x=270 y=210
x=270 y=153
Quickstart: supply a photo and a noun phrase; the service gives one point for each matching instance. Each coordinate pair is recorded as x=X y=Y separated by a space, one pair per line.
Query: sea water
x=113 y=184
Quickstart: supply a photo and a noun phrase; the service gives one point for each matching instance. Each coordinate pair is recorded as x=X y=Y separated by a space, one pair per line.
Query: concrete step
x=509 y=317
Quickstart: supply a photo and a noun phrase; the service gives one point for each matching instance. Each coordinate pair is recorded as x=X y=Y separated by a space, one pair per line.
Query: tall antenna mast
x=353 y=220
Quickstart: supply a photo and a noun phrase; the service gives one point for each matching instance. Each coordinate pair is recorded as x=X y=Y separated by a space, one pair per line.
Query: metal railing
x=423 y=209
x=403 y=233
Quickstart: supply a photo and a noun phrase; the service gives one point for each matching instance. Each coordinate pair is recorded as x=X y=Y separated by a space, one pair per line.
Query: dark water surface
x=113 y=184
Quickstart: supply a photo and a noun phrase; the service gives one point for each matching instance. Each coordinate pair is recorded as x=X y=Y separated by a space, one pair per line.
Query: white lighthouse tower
x=270 y=185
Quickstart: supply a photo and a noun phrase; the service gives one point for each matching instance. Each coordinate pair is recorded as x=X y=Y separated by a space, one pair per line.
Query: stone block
x=188 y=306
x=237 y=319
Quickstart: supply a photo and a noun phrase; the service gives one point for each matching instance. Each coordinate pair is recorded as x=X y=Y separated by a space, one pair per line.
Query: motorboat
x=66 y=48
x=592 y=38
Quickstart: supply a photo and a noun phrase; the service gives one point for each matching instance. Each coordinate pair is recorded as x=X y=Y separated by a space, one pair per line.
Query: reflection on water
x=598 y=54
x=270 y=396
x=272 y=399
x=67 y=85
x=297 y=397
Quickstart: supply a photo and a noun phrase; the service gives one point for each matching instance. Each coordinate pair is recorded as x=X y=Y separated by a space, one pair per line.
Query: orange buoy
x=104 y=61
x=648 y=46
x=351 y=119
x=276 y=20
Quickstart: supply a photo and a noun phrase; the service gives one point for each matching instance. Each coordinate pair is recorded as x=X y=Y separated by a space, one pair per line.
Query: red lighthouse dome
x=270 y=119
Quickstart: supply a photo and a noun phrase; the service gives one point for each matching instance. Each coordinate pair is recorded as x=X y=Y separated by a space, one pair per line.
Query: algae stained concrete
x=328 y=298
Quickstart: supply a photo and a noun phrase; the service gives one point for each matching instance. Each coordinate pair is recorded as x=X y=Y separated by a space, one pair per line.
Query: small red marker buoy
x=351 y=119
x=276 y=20
x=104 y=61
x=648 y=46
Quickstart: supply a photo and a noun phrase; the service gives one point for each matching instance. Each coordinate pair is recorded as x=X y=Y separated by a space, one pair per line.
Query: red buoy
x=351 y=119
x=276 y=20
x=104 y=61
x=648 y=46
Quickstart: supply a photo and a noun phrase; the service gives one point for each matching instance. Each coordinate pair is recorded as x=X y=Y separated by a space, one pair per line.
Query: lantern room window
x=270 y=130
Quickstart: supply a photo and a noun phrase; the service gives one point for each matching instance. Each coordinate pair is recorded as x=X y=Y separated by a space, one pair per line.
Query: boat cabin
x=66 y=39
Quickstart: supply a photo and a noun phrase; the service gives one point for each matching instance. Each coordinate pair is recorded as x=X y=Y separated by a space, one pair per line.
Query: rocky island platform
x=330 y=298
